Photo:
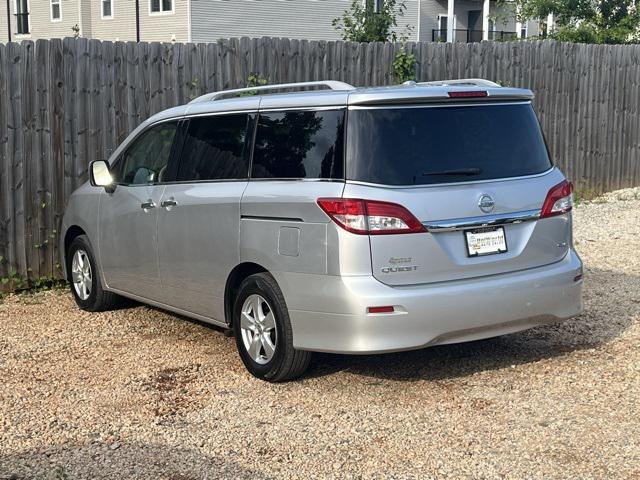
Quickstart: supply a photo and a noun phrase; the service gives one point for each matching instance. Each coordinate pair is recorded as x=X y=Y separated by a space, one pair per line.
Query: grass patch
x=584 y=195
x=26 y=286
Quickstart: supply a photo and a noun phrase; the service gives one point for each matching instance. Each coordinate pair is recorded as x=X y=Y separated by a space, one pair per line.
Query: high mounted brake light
x=370 y=217
x=385 y=309
x=470 y=94
x=559 y=200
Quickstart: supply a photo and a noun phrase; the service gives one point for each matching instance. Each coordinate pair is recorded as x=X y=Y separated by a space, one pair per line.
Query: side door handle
x=148 y=205
x=168 y=203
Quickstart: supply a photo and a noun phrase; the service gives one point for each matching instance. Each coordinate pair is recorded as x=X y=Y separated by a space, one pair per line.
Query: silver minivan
x=323 y=217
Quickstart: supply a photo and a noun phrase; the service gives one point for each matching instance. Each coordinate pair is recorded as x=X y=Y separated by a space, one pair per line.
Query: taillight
x=559 y=200
x=370 y=217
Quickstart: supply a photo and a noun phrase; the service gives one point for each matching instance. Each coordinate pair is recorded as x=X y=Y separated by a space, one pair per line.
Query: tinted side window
x=299 y=144
x=145 y=161
x=214 y=148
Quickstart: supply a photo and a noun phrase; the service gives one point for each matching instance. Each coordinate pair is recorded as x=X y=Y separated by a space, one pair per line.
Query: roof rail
x=330 y=84
x=477 y=82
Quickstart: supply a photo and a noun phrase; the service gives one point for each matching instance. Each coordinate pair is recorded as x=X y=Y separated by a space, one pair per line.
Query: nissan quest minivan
x=319 y=217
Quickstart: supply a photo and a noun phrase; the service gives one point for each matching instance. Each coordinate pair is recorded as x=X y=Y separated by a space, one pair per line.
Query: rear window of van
x=443 y=144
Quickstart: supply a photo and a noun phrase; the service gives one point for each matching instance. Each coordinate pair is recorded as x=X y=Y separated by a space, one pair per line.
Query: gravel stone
x=140 y=393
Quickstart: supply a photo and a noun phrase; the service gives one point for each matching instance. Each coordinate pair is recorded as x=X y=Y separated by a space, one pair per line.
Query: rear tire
x=84 y=278
x=263 y=333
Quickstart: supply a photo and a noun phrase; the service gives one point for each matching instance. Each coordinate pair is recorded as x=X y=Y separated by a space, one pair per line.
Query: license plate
x=485 y=241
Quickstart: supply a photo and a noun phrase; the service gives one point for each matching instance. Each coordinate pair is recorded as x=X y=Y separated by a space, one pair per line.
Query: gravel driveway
x=140 y=393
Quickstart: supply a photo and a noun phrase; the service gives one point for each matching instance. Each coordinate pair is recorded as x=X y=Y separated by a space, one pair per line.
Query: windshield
x=431 y=145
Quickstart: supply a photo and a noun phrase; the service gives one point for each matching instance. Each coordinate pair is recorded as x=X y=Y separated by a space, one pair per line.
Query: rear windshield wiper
x=456 y=171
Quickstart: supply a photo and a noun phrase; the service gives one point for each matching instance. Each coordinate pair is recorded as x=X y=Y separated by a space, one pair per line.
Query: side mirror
x=100 y=175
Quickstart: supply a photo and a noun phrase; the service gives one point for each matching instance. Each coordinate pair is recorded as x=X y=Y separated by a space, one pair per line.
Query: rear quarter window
x=299 y=144
x=443 y=144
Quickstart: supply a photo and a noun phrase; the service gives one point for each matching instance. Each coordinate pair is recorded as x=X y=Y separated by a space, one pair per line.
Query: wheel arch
x=235 y=278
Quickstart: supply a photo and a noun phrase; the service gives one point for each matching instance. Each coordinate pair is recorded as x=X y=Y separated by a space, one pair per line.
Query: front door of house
x=474 y=24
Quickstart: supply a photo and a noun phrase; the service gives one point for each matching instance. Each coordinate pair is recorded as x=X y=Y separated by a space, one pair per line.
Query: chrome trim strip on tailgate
x=483 y=221
x=441 y=185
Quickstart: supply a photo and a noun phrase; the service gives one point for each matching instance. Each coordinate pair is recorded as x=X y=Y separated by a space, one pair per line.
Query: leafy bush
x=404 y=66
x=254 y=80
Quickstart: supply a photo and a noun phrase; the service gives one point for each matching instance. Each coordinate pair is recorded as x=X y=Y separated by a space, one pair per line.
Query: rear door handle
x=148 y=205
x=168 y=203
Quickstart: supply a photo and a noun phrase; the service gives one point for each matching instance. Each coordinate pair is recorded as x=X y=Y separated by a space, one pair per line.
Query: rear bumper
x=329 y=313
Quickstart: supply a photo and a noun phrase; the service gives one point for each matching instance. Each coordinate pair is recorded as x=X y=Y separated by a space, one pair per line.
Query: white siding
x=302 y=19
x=429 y=11
x=122 y=24
x=3 y=23
x=85 y=16
x=41 y=25
x=153 y=28
x=408 y=22
x=163 y=28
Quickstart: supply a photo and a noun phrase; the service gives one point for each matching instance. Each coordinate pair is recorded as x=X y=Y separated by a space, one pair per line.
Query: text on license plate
x=485 y=241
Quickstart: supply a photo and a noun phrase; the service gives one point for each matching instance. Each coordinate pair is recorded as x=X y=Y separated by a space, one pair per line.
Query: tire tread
x=102 y=300
x=295 y=362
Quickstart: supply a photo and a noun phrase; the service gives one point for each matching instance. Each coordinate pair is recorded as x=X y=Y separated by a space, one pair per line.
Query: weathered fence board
x=66 y=102
x=6 y=195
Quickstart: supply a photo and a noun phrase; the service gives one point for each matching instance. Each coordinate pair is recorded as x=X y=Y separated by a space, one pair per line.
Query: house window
x=375 y=4
x=523 y=31
x=22 y=17
x=56 y=11
x=161 y=6
x=107 y=9
x=442 y=23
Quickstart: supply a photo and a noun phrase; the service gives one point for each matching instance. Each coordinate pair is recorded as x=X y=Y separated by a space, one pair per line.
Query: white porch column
x=485 y=19
x=80 y=32
x=518 y=23
x=550 y=25
x=450 y=10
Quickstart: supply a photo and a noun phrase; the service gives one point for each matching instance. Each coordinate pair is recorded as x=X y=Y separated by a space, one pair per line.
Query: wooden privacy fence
x=66 y=102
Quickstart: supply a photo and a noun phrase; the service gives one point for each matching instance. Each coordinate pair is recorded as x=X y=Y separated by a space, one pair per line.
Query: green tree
x=362 y=23
x=586 y=21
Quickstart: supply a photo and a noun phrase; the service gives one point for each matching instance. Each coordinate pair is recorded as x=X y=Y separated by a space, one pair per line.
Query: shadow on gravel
x=126 y=460
x=611 y=300
x=604 y=319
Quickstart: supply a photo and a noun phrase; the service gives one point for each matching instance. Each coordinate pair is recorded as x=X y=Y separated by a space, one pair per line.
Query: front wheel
x=263 y=331
x=84 y=278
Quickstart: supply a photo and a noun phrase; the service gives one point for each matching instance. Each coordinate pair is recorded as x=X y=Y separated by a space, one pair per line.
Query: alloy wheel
x=81 y=274
x=258 y=327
